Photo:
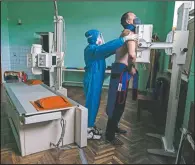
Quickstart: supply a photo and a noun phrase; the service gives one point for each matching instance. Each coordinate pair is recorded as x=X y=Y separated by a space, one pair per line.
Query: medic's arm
x=108 y=55
x=109 y=48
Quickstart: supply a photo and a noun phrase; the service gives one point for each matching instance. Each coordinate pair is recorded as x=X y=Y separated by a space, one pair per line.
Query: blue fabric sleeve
x=109 y=48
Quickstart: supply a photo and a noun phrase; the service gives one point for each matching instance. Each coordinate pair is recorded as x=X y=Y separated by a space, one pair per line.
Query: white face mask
x=100 y=40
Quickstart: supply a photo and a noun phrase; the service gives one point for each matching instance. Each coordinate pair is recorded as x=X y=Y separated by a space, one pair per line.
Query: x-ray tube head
x=144 y=36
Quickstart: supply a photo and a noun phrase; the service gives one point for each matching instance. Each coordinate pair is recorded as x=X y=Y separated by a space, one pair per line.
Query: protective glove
x=131 y=37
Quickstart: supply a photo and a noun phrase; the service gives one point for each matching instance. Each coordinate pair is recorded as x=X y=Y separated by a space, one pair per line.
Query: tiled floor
x=132 y=152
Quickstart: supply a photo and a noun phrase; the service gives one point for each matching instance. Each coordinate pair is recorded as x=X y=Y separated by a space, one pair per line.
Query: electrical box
x=29 y=61
x=46 y=60
x=144 y=36
x=179 y=46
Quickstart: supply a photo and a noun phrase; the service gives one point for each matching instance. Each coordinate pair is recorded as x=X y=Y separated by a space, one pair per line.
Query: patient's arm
x=131 y=49
x=130 y=46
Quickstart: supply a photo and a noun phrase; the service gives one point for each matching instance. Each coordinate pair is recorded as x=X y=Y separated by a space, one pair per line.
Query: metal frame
x=55 y=71
x=179 y=48
x=58 y=40
x=28 y=124
x=58 y=49
x=34 y=130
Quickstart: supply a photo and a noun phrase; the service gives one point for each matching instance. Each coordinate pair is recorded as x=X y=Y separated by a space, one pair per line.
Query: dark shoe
x=116 y=142
x=134 y=94
x=120 y=131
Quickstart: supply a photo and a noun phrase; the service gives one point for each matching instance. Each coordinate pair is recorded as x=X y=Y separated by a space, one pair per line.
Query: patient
x=126 y=54
x=122 y=70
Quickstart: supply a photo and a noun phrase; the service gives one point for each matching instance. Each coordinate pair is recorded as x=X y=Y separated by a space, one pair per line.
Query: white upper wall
x=177 y=5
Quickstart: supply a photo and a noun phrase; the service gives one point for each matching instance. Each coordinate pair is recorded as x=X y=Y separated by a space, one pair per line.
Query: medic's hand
x=131 y=37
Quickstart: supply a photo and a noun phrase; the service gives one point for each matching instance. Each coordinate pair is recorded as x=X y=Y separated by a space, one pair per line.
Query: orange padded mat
x=34 y=82
x=51 y=103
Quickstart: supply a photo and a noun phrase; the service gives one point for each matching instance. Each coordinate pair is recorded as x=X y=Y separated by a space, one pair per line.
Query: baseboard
x=80 y=84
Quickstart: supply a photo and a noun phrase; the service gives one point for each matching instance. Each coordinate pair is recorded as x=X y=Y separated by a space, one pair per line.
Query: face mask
x=132 y=27
x=137 y=21
x=100 y=40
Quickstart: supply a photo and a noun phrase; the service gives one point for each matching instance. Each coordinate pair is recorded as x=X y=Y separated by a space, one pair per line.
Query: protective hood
x=92 y=36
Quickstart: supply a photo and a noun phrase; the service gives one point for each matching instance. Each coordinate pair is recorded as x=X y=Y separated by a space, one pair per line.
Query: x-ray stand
x=179 y=49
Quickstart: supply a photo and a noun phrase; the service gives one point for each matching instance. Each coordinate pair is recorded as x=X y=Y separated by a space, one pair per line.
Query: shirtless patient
x=122 y=70
x=126 y=54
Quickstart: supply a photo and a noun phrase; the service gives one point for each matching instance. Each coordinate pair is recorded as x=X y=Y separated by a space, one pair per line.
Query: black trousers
x=113 y=122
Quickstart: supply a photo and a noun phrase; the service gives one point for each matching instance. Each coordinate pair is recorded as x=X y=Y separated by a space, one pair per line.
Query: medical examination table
x=34 y=130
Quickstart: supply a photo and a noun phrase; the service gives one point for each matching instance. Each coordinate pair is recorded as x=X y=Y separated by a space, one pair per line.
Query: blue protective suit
x=94 y=57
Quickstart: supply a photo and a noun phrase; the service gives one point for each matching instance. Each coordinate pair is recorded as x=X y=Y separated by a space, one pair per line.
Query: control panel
x=46 y=60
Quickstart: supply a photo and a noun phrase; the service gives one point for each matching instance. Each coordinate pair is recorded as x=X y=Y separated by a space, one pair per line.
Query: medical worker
x=94 y=56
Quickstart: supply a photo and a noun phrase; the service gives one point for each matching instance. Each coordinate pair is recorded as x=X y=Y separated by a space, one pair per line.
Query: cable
x=144 y=66
x=57 y=146
x=178 y=158
x=55 y=8
x=63 y=126
x=185 y=134
x=82 y=156
x=124 y=94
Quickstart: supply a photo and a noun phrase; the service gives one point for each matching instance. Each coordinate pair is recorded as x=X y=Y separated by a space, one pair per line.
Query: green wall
x=5 y=54
x=4 y=25
x=190 y=94
x=80 y=17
